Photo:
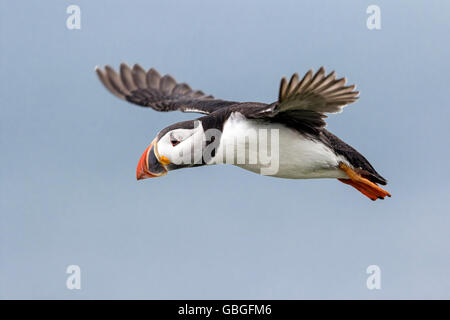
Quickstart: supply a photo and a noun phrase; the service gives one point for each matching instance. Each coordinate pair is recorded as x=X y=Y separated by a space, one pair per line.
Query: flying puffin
x=306 y=149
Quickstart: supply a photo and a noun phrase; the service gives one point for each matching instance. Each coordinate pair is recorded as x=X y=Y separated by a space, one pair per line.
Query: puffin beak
x=151 y=163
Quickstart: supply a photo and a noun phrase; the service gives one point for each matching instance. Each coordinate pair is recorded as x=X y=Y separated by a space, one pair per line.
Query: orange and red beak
x=151 y=163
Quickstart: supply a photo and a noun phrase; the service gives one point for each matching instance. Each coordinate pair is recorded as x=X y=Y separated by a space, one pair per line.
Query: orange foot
x=366 y=187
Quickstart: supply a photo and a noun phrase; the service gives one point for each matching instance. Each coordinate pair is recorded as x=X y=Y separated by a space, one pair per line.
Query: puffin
x=301 y=145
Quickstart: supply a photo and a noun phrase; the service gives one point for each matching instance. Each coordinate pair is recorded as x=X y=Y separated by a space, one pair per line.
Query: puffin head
x=177 y=146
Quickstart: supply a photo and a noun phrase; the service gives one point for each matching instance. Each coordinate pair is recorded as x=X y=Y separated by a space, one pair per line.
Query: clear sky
x=69 y=150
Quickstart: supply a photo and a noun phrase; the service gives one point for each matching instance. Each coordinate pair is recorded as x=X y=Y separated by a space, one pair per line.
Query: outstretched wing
x=303 y=103
x=319 y=93
x=162 y=93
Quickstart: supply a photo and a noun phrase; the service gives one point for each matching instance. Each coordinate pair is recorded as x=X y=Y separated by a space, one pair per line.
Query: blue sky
x=70 y=150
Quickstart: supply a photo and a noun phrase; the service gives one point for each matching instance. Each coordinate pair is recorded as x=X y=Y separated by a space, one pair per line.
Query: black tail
x=356 y=159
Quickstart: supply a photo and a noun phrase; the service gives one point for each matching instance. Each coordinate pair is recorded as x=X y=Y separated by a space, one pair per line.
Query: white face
x=183 y=146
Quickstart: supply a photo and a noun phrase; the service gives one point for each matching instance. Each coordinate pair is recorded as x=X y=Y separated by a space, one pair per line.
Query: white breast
x=298 y=157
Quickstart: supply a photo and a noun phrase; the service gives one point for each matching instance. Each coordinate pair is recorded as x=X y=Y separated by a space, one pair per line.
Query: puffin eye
x=174 y=141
